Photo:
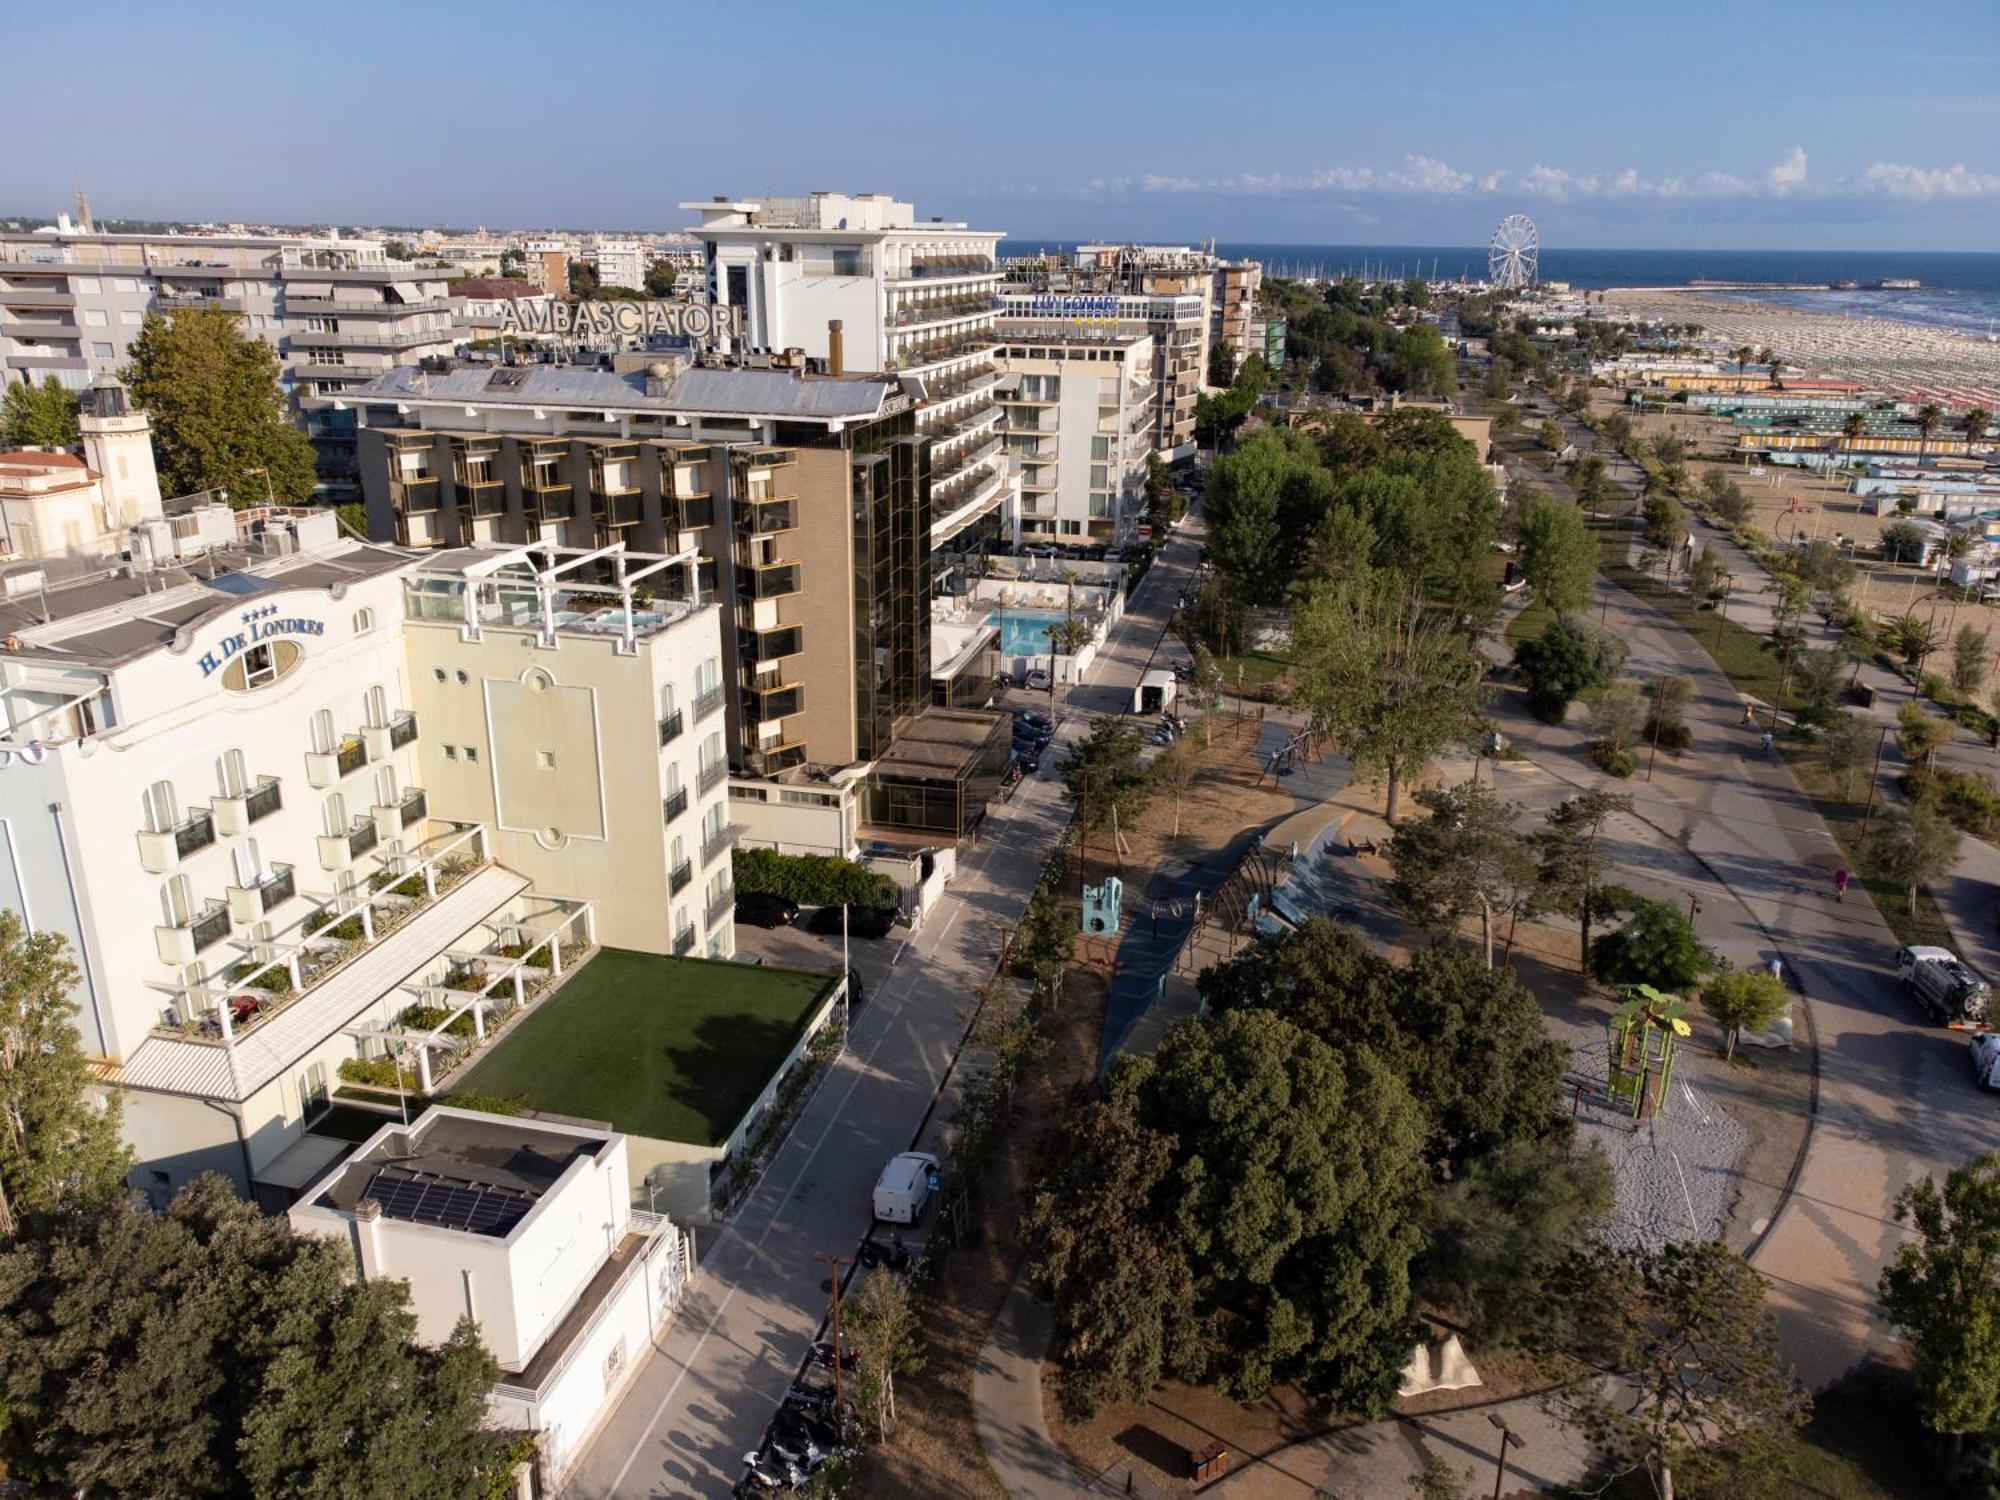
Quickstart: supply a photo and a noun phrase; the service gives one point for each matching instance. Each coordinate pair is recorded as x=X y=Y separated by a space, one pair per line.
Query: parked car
x=1946 y=987
x=1038 y=680
x=905 y=1186
x=1038 y=722
x=762 y=909
x=1986 y=1059
x=862 y=921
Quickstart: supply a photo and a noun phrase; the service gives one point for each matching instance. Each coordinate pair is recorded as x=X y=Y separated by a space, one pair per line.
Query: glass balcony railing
x=778 y=758
x=671 y=727
x=208 y=926
x=415 y=494
x=196 y=831
x=350 y=757
x=682 y=874
x=695 y=512
x=775 y=701
x=361 y=837
x=765 y=517
x=771 y=581
x=774 y=645
x=415 y=806
x=277 y=888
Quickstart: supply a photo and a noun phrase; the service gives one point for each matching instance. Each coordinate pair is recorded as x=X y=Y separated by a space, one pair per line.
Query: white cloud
x=1898 y=180
x=1153 y=182
x=1789 y=173
x=1426 y=174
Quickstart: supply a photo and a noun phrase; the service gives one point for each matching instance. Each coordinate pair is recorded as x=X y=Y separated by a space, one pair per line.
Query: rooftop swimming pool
x=1025 y=632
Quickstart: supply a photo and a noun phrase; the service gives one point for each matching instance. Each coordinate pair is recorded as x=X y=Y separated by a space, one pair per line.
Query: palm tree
x=1977 y=421
x=1742 y=354
x=1777 y=368
x=1852 y=426
x=1927 y=423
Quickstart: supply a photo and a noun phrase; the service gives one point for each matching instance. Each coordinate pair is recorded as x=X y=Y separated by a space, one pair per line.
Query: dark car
x=762 y=909
x=1037 y=723
x=862 y=921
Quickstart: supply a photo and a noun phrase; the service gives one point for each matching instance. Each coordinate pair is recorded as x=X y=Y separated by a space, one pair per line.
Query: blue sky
x=1759 y=123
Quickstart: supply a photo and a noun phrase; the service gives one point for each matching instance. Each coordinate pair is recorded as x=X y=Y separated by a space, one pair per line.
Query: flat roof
x=106 y=619
x=694 y=390
x=946 y=740
x=497 y=1153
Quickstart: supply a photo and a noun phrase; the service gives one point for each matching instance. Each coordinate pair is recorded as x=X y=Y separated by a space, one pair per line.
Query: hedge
x=811 y=879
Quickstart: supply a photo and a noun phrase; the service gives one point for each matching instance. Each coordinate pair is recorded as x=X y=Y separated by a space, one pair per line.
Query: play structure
x=1645 y=1033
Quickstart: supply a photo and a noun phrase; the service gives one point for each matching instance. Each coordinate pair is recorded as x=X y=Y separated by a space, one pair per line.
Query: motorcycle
x=765 y=1472
x=822 y=1355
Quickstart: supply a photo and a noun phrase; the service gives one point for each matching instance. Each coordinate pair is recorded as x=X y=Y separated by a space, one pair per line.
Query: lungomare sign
x=693 y=320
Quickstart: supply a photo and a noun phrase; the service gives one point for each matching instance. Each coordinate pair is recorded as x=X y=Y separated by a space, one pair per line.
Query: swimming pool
x=1025 y=632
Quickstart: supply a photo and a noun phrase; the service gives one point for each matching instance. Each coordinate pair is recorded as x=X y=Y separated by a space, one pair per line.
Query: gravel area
x=1676 y=1172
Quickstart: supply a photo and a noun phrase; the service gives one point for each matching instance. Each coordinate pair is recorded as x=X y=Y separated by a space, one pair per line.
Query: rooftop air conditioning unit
x=27 y=581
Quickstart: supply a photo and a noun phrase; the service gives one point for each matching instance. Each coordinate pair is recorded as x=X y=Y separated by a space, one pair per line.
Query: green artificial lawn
x=673 y=1048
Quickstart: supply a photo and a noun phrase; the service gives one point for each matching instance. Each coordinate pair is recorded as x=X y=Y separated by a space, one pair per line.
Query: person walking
x=1767 y=742
x=1840 y=879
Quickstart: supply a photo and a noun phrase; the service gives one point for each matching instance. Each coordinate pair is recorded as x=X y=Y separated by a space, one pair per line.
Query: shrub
x=1673 y=738
x=1613 y=761
x=811 y=879
x=379 y=1072
x=1570 y=659
x=491 y=1104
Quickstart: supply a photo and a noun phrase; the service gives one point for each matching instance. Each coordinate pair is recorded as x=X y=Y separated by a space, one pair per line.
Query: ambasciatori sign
x=693 y=320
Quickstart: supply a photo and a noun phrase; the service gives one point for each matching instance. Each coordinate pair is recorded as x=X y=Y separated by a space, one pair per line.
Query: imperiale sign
x=693 y=320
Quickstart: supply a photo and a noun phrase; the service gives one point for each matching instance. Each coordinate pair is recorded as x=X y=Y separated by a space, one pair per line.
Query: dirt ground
x=934 y=1449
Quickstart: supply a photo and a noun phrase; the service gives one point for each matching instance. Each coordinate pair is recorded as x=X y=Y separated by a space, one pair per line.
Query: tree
x=1911 y=637
x=1929 y=418
x=1570 y=860
x=1421 y=362
x=1587 y=481
x=1669 y=449
x=1222 y=365
x=1913 y=849
x=659 y=278
x=1102 y=773
x=1943 y=1291
x=1919 y=733
x=1849 y=743
x=1262 y=498
x=60 y=1152
x=1852 y=426
x=1692 y=1351
x=1466 y=857
x=1391 y=679
x=1558 y=554
x=1173 y=772
x=1816 y=678
x=1742 y=354
x=1658 y=945
x=1730 y=504
x=211 y=1351
x=583 y=278
x=1618 y=717
x=1617 y=429
x=216 y=407
x=1467 y=1041
x=513 y=262
x=1238 y=1208
x=1499 y=381
x=38 y=416
x=1737 y=998
x=1549 y=436
x=1569 y=661
x=1666 y=525
x=1904 y=541
x=1968 y=658
x=1505 y=420
x=1978 y=422
x=881 y=1322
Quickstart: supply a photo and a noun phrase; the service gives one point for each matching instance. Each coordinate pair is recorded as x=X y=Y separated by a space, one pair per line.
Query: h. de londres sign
x=693 y=320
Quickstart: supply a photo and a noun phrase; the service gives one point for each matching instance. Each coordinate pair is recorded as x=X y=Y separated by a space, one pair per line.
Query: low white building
x=525 y=1227
x=288 y=798
x=57 y=507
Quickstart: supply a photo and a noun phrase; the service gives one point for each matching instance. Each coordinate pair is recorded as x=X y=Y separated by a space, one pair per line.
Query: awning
x=407 y=290
x=308 y=289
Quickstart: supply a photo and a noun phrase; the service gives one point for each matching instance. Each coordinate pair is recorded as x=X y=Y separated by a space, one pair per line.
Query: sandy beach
x=1914 y=363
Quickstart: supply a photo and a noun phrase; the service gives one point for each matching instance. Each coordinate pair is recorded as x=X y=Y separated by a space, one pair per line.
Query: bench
x=1363 y=846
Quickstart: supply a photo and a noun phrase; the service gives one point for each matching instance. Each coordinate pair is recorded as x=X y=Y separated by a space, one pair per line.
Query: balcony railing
x=235 y=814
x=384 y=739
x=707 y=703
x=709 y=777
x=671 y=727
x=684 y=942
x=682 y=874
x=767 y=517
x=773 y=645
x=674 y=804
x=776 y=701
x=180 y=942
x=723 y=838
x=251 y=903
x=778 y=758
x=617 y=507
x=695 y=512
x=326 y=767
x=415 y=806
x=771 y=581
x=416 y=494
x=723 y=905
x=161 y=851
x=361 y=837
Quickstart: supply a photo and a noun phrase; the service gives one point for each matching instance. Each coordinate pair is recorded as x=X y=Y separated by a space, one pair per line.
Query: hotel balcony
x=765 y=702
x=418 y=531
x=944 y=311
x=684 y=942
x=937 y=267
x=234 y=815
x=328 y=768
x=767 y=517
x=671 y=726
x=339 y=850
x=710 y=777
x=162 y=852
x=65 y=301
x=549 y=500
x=678 y=879
x=383 y=740
x=619 y=508
x=917 y=356
x=403 y=815
x=673 y=804
x=722 y=906
x=706 y=703
x=251 y=904
x=771 y=581
x=773 y=645
x=415 y=494
x=772 y=759
x=693 y=512
x=723 y=838
x=179 y=944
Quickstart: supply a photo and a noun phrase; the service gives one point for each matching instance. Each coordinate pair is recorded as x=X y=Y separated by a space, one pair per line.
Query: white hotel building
x=277 y=795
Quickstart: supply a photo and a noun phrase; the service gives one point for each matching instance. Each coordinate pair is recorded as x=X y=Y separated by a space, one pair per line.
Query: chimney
x=368 y=1236
x=836 y=362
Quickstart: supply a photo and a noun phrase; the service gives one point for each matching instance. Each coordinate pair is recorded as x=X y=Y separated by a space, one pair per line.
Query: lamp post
x=1508 y=1438
x=269 y=498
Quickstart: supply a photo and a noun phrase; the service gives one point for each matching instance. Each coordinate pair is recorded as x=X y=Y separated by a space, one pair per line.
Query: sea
x=1956 y=290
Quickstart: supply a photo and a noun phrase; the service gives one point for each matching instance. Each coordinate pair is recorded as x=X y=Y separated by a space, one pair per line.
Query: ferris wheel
x=1512 y=255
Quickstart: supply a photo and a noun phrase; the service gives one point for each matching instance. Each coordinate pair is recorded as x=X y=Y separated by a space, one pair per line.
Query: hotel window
x=1100 y=449
x=89 y=285
x=259 y=666
x=96 y=317
x=131 y=317
x=249 y=864
x=334 y=813
x=364 y=621
x=103 y=351
x=376 y=707
x=711 y=823
x=161 y=807
x=231 y=780
x=312 y=1092
x=322 y=731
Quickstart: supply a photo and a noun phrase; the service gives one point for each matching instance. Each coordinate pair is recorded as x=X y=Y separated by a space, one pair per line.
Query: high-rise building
x=1080 y=422
x=286 y=796
x=1235 y=299
x=1174 y=327
x=548 y=265
x=621 y=263
x=807 y=499
x=860 y=283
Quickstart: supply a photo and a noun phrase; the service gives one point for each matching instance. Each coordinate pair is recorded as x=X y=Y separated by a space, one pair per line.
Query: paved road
x=713 y=1379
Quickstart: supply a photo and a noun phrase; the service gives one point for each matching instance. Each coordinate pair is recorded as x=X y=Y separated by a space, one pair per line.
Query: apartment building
x=548 y=264
x=338 y=311
x=1174 y=325
x=525 y=1227
x=1235 y=307
x=286 y=795
x=861 y=283
x=621 y=263
x=1080 y=423
x=807 y=501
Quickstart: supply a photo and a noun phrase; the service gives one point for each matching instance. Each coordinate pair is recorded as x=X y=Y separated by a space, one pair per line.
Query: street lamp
x=1508 y=1437
x=269 y=498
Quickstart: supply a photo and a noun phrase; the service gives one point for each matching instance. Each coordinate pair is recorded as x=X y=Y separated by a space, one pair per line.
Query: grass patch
x=673 y=1048
x=1528 y=623
x=1260 y=672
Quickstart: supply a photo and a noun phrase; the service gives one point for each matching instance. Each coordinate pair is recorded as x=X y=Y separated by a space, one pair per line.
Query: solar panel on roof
x=476 y=1210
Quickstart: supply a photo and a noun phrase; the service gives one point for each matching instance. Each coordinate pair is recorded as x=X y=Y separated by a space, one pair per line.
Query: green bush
x=424 y=1017
x=490 y=1104
x=1611 y=760
x=1968 y=799
x=811 y=879
x=380 y=1072
x=1673 y=738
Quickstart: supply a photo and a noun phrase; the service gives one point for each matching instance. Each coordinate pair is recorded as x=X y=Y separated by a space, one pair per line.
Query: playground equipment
x=1645 y=1033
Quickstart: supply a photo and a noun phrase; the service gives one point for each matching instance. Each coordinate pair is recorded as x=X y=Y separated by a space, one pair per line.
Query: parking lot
x=794 y=947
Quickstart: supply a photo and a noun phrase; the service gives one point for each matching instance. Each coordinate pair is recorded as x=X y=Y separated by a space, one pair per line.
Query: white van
x=904 y=1187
